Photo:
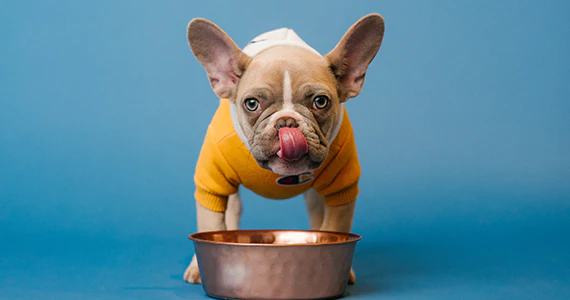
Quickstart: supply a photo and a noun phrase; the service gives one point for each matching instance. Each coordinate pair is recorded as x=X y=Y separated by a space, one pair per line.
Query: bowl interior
x=274 y=237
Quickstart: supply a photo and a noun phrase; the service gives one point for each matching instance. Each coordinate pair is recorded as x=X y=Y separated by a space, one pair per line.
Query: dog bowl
x=274 y=264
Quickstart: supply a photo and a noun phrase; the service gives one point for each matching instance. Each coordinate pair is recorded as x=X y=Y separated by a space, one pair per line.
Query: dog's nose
x=286 y=122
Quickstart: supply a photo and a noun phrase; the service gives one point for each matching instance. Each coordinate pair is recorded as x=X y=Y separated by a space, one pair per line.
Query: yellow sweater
x=225 y=163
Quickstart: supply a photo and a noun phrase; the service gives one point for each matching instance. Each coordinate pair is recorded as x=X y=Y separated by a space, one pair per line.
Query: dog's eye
x=320 y=102
x=251 y=104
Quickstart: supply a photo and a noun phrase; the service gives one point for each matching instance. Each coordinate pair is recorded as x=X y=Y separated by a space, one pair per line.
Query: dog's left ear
x=224 y=62
x=350 y=58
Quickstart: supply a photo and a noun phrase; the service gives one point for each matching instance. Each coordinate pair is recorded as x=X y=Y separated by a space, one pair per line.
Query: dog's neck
x=282 y=36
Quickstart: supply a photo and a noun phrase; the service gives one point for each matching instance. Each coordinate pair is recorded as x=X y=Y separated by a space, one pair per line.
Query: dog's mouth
x=293 y=155
x=289 y=150
x=293 y=144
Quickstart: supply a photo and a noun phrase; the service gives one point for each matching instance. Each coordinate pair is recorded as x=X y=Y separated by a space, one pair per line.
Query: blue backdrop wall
x=462 y=129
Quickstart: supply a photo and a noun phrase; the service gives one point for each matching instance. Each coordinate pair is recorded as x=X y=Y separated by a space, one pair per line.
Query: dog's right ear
x=224 y=62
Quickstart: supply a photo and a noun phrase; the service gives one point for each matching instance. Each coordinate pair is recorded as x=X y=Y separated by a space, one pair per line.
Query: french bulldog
x=281 y=128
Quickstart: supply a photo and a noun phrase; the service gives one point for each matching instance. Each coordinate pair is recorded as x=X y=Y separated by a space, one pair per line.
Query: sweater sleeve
x=215 y=179
x=338 y=183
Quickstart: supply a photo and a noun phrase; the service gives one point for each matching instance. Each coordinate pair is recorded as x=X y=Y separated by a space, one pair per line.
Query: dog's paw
x=352 y=277
x=192 y=273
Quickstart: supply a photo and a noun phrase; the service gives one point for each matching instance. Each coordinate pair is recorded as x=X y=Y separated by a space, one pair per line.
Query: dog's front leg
x=207 y=221
x=339 y=218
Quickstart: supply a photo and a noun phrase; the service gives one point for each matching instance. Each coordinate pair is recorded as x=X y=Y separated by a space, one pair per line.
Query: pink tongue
x=293 y=144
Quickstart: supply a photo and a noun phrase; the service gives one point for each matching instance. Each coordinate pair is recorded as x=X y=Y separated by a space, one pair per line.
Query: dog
x=281 y=128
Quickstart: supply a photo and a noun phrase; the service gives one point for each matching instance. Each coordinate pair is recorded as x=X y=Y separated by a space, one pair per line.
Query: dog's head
x=286 y=98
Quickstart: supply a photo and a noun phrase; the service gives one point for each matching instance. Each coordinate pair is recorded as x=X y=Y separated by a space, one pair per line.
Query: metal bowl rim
x=354 y=238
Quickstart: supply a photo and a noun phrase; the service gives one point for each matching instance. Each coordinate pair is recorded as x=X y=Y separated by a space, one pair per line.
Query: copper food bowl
x=274 y=264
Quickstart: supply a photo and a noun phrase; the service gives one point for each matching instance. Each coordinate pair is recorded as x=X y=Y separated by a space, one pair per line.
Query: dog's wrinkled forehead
x=282 y=36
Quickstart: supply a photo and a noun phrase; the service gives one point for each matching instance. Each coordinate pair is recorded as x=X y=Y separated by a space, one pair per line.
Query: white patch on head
x=287 y=92
x=282 y=36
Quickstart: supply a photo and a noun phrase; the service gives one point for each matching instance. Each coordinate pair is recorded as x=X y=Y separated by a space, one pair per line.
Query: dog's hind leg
x=315 y=208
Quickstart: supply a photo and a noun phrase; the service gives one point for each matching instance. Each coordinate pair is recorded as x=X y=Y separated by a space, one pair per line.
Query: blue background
x=462 y=128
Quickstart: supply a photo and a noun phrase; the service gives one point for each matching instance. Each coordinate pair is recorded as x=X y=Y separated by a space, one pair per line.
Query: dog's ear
x=355 y=51
x=224 y=62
